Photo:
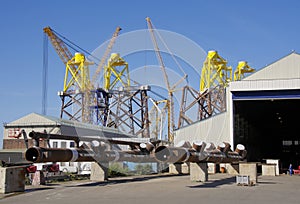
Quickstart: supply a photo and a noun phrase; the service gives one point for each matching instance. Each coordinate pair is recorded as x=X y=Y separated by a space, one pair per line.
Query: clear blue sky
x=259 y=31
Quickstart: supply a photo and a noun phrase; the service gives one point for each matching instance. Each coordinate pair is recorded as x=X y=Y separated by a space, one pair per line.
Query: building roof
x=283 y=74
x=33 y=119
x=287 y=67
x=67 y=127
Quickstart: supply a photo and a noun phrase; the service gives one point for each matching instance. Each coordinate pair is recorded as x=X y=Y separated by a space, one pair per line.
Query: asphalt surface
x=220 y=189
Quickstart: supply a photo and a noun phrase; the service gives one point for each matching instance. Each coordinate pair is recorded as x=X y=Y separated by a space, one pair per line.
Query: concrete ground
x=221 y=189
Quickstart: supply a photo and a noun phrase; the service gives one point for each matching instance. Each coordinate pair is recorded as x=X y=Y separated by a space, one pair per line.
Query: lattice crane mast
x=105 y=55
x=77 y=76
x=241 y=69
x=77 y=71
x=92 y=97
x=166 y=79
x=214 y=72
x=59 y=46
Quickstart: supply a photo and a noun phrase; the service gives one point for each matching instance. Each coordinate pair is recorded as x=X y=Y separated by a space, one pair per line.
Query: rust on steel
x=39 y=155
x=197 y=154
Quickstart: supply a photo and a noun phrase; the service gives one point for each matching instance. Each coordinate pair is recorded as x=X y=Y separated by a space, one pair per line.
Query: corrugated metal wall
x=284 y=74
x=256 y=85
x=214 y=129
x=285 y=68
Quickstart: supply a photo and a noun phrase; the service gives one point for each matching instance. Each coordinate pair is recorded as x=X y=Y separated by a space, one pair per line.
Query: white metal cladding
x=283 y=74
x=214 y=129
x=287 y=67
x=257 y=85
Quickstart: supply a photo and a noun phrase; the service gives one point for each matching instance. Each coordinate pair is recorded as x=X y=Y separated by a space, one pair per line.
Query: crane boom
x=162 y=66
x=76 y=80
x=88 y=92
x=105 y=56
x=59 y=46
x=157 y=52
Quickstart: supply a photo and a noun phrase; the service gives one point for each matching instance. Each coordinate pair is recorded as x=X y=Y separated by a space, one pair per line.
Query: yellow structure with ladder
x=214 y=72
x=77 y=72
x=241 y=69
x=117 y=67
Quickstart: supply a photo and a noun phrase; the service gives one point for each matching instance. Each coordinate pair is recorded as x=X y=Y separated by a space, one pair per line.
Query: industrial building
x=16 y=133
x=261 y=113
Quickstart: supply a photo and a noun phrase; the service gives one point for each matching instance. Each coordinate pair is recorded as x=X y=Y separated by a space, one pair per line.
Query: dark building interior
x=269 y=129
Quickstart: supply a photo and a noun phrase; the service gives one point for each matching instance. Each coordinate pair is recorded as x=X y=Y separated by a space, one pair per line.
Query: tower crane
x=78 y=85
x=88 y=94
x=59 y=46
x=116 y=67
x=105 y=55
x=166 y=79
x=77 y=77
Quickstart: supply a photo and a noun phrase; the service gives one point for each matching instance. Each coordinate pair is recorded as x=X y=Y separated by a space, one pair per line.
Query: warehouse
x=261 y=113
x=14 y=140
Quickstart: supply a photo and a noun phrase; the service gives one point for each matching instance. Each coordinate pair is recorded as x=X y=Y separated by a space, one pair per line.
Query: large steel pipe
x=39 y=155
x=171 y=154
x=40 y=135
x=181 y=154
x=130 y=156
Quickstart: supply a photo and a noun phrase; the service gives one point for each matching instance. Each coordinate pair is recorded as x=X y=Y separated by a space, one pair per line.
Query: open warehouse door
x=267 y=123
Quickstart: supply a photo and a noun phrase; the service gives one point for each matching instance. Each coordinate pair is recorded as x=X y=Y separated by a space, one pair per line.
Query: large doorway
x=269 y=128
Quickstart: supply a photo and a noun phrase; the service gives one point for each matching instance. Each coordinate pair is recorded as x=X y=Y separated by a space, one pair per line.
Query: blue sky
x=257 y=31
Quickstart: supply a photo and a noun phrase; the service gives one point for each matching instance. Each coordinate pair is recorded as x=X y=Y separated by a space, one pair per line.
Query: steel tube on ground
x=179 y=154
x=130 y=156
x=171 y=154
x=39 y=155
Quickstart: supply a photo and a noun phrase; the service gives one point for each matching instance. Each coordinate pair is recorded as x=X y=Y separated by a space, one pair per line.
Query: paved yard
x=221 y=189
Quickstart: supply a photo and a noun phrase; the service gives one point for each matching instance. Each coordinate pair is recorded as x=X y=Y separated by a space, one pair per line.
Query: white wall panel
x=214 y=129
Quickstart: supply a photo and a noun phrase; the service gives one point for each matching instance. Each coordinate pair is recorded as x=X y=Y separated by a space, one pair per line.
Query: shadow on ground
x=126 y=180
x=39 y=189
x=216 y=183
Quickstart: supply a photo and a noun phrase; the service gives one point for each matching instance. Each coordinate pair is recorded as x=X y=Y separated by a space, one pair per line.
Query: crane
x=76 y=70
x=166 y=79
x=59 y=46
x=78 y=85
x=88 y=93
x=77 y=77
x=105 y=55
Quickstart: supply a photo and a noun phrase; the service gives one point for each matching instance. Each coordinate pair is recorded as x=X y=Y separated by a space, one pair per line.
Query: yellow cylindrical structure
x=211 y=53
x=242 y=63
x=114 y=57
x=78 y=57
